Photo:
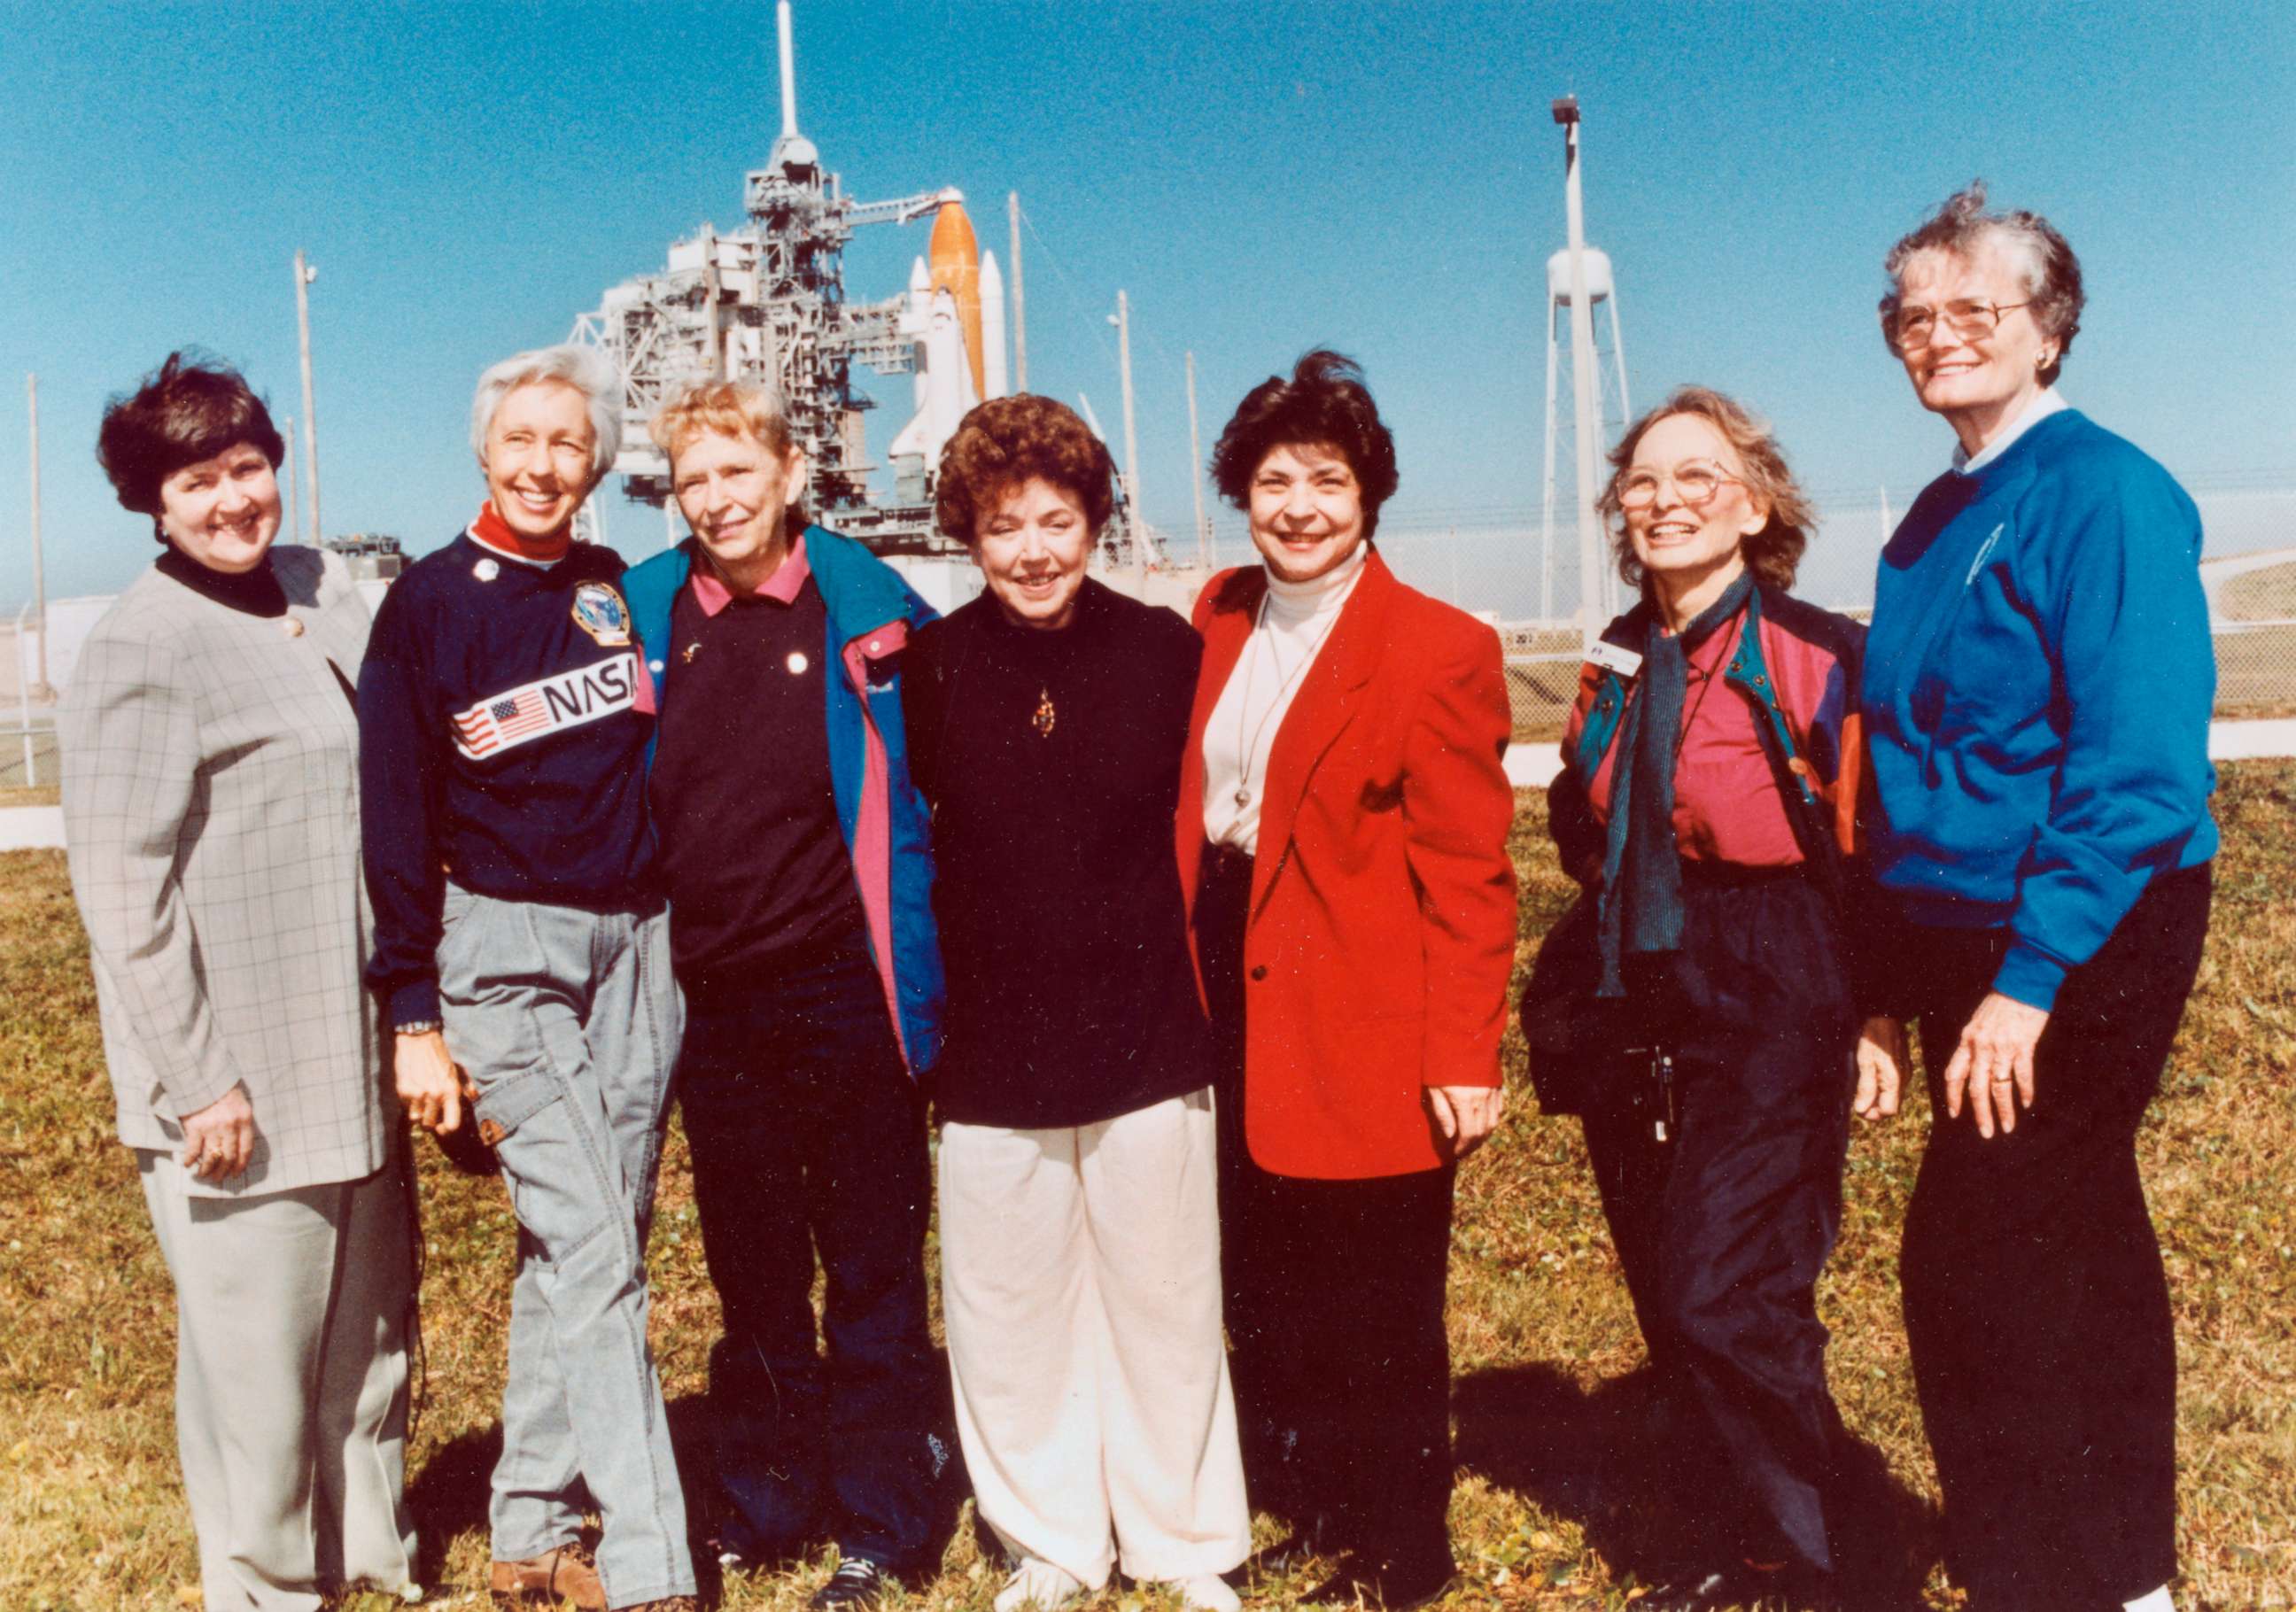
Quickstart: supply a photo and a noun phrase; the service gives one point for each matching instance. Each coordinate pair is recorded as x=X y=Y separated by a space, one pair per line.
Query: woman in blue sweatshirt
x=2037 y=690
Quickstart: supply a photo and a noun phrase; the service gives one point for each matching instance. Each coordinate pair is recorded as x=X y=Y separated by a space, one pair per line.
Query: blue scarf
x=1642 y=890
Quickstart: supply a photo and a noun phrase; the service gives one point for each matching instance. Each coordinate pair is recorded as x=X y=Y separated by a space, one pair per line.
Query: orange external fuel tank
x=954 y=262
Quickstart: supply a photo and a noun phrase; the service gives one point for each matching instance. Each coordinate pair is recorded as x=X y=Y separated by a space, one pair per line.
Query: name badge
x=1612 y=658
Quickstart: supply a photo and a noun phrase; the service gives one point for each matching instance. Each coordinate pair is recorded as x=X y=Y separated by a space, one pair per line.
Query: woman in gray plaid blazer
x=210 y=792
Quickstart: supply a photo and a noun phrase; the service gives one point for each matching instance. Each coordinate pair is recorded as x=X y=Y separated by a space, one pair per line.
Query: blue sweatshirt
x=504 y=720
x=2037 y=684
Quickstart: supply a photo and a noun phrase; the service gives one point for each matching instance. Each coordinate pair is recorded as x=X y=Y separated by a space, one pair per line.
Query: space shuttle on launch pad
x=766 y=302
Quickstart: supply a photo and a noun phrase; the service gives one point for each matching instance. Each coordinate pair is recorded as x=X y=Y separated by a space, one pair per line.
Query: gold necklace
x=1244 y=706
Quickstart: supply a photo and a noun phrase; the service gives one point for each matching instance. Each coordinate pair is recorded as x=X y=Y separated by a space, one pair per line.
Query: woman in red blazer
x=1343 y=834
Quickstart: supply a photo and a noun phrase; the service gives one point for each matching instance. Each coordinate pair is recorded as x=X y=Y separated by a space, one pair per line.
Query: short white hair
x=586 y=369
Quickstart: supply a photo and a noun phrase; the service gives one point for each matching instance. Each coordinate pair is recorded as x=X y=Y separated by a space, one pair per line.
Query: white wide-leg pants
x=1080 y=1286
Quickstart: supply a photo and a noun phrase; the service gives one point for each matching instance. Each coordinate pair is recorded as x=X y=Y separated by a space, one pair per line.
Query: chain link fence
x=1496 y=564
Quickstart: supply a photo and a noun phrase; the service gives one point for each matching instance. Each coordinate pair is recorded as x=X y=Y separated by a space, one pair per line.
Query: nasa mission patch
x=599 y=612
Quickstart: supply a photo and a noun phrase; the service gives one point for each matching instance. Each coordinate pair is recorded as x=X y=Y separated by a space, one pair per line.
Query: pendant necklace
x=1046 y=715
x=1247 y=749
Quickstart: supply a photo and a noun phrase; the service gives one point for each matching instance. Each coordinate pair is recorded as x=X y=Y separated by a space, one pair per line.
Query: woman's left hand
x=219 y=1139
x=1993 y=1064
x=1466 y=1116
x=1880 y=1067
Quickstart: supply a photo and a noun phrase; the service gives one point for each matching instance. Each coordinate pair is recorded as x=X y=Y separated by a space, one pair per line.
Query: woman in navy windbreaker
x=1707 y=803
x=2037 y=688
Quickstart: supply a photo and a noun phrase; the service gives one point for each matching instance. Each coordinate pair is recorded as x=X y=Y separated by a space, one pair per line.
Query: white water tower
x=1610 y=412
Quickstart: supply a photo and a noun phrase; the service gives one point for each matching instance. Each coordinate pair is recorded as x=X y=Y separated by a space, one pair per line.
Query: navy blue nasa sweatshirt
x=503 y=728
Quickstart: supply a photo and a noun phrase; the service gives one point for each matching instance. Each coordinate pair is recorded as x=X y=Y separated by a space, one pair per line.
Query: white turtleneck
x=1295 y=622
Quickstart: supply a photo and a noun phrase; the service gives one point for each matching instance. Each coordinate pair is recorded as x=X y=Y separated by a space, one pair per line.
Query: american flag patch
x=516 y=717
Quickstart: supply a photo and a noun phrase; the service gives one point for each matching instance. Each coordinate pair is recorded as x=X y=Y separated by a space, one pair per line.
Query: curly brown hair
x=1007 y=441
x=1324 y=404
x=187 y=410
x=1775 y=552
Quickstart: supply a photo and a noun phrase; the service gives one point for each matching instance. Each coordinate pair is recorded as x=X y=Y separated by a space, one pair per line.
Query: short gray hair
x=586 y=369
x=1962 y=228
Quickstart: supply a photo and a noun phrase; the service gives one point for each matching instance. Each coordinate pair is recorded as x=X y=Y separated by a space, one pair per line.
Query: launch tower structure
x=766 y=302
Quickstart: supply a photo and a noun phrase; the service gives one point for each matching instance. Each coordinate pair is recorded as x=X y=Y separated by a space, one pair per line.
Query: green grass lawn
x=1553 y=1501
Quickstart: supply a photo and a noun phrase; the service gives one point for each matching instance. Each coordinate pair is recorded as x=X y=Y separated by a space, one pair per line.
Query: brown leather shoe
x=567 y=1574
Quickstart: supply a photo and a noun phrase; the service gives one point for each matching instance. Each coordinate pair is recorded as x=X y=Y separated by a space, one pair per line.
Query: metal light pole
x=1123 y=320
x=304 y=274
x=1196 y=473
x=287 y=463
x=1020 y=306
x=39 y=689
x=1591 y=613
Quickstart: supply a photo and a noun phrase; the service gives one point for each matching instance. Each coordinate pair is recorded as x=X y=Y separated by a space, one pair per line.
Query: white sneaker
x=1040 y=1584
x=1207 y=1593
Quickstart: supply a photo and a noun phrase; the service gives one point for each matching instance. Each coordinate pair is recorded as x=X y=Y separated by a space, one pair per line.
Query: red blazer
x=1382 y=933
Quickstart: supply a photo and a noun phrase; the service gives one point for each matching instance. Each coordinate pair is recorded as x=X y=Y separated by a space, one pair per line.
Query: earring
x=160 y=531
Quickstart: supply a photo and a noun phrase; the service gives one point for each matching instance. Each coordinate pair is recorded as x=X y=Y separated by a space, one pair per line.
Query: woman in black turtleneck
x=1078 y=1231
x=211 y=796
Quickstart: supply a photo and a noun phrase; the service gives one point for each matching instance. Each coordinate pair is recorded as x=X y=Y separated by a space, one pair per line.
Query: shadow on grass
x=1602 y=1458
x=449 y=1495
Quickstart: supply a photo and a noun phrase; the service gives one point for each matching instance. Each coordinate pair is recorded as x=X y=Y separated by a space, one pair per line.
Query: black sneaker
x=859 y=1585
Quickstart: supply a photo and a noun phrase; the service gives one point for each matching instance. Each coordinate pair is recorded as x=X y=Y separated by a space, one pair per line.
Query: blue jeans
x=567 y=1023
x=808 y=1135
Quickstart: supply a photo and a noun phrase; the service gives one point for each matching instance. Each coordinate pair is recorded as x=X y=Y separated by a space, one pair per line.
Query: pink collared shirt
x=711 y=593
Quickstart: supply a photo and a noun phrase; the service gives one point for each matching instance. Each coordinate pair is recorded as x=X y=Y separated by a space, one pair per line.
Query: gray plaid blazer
x=211 y=817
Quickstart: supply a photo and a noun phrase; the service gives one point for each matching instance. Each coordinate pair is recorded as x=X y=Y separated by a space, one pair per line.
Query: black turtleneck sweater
x=1051 y=763
x=257 y=592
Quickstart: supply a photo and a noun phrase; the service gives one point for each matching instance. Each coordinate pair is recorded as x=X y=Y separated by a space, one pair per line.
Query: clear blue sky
x=1260 y=177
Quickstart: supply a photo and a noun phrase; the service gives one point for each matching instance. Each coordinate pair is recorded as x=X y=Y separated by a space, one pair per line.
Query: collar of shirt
x=711 y=593
x=2044 y=404
x=493 y=534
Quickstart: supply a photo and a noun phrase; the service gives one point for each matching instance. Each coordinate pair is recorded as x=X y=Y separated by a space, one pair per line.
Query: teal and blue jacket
x=2038 y=686
x=885 y=822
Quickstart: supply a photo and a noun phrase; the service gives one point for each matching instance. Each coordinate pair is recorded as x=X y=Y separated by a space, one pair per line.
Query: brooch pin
x=686 y=659
x=1046 y=715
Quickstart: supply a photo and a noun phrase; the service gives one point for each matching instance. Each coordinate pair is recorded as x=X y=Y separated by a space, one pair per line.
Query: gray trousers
x=567 y=1023
x=290 y=1382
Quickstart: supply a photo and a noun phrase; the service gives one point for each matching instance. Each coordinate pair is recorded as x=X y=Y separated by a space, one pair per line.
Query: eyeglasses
x=1911 y=327
x=1694 y=483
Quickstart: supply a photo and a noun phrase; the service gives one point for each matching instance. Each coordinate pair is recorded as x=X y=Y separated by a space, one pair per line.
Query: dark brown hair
x=1324 y=404
x=1962 y=228
x=1010 y=440
x=188 y=410
x=1775 y=552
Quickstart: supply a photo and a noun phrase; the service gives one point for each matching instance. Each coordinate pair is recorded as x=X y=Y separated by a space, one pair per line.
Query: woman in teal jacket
x=793 y=848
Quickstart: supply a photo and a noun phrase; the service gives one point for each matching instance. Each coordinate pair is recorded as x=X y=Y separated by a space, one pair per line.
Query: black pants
x=808 y=1135
x=1333 y=1295
x=1723 y=1228
x=2036 y=1304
